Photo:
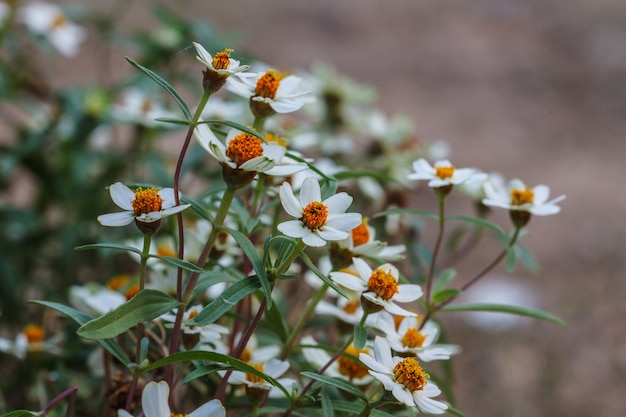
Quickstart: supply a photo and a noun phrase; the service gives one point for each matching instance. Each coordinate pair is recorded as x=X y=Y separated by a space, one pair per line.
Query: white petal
x=382 y=352
x=286 y=105
x=203 y=55
x=174 y=210
x=213 y=408
x=167 y=194
x=310 y=191
x=293 y=228
x=313 y=240
x=428 y=405
x=373 y=364
x=154 y=399
x=403 y=395
x=407 y=293
x=362 y=268
x=123 y=413
x=396 y=309
x=349 y=281
x=541 y=193
x=276 y=368
x=344 y=222
x=388 y=383
x=117 y=219
x=329 y=233
x=289 y=201
x=204 y=136
x=122 y=196
x=338 y=203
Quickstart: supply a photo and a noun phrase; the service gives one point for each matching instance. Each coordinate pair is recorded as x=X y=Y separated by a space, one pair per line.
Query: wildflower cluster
x=272 y=270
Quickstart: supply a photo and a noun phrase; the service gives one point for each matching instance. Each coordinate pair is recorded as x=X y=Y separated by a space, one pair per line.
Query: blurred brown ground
x=534 y=89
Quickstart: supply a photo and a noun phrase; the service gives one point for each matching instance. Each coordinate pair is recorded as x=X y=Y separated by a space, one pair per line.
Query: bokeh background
x=534 y=89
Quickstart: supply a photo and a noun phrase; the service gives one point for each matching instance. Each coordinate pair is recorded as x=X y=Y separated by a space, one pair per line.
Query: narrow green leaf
x=109 y=246
x=81 y=318
x=236 y=126
x=172 y=121
x=248 y=248
x=195 y=355
x=336 y=382
x=307 y=261
x=356 y=409
x=526 y=258
x=454 y=411
x=160 y=81
x=327 y=406
x=511 y=256
x=276 y=322
x=197 y=207
x=203 y=371
x=21 y=413
x=504 y=308
x=147 y=304
x=479 y=222
x=412 y=212
x=445 y=294
x=180 y=263
x=443 y=279
x=360 y=336
x=231 y=296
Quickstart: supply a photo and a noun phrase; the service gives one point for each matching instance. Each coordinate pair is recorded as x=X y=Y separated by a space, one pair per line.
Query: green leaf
x=412 y=212
x=504 y=308
x=172 y=121
x=160 y=81
x=454 y=411
x=81 y=318
x=360 y=336
x=443 y=279
x=276 y=322
x=21 y=413
x=197 y=207
x=231 y=296
x=307 y=261
x=203 y=371
x=215 y=357
x=236 y=126
x=109 y=246
x=147 y=304
x=479 y=222
x=445 y=294
x=356 y=408
x=248 y=248
x=180 y=263
x=336 y=382
x=327 y=406
x=511 y=256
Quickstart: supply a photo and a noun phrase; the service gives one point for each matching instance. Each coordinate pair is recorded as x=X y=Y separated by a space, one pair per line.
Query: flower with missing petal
x=443 y=173
x=317 y=221
x=145 y=205
x=379 y=287
x=155 y=397
x=404 y=377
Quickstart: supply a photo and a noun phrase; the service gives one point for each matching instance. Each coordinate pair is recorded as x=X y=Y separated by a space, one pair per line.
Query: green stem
x=258 y=124
x=299 y=247
x=433 y=261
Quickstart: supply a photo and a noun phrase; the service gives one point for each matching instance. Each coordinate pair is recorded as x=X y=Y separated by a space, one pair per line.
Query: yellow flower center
x=243 y=148
x=146 y=201
x=361 y=233
x=267 y=84
x=521 y=197
x=221 y=60
x=116 y=282
x=246 y=355
x=409 y=373
x=351 y=306
x=444 y=172
x=178 y=415
x=146 y=106
x=413 y=338
x=34 y=334
x=350 y=367
x=384 y=284
x=59 y=21
x=131 y=291
x=165 y=250
x=314 y=215
x=253 y=378
x=270 y=137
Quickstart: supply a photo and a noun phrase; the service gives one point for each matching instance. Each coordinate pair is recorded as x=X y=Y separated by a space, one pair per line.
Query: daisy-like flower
x=32 y=340
x=318 y=221
x=257 y=387
x=194 y=334
x=362 y=242
x=145 y=206
x=50 y=21
x=518 y=197
x=379 y=288
x=404 y=377
x=443 y=173
x=409 y=338
x=345 y=367
x=154 y=400
x=94 y=298
x=271 y=92
x=138 y=107
x=348 y=310
x=219 y=68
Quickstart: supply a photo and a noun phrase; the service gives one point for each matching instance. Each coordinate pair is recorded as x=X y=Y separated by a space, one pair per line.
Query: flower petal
x=167 y=194
x=213 y=408
x=313 y=240
x=407 y=293
x=344 y=222
x=293 y=228
x=121 y=218
x=338 y=203
x=289 y=201
x=310 y=191
x=122 y=196
x=155 y=399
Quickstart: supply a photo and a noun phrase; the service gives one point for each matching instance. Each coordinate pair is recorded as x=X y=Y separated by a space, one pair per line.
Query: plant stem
x=433 y=260
x=70 y=407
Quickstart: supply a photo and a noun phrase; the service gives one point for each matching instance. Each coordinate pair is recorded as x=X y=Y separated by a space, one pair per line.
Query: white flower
x=138 y=107
x=379 y=286
x=281 y=93
x=362 y=242
x=404 y=377
x=155 y=397
x=274 y=368
x=348 y=310
x=443 y=173
x=408 y=337
x=221 y=63
x=144 y=205
x=343 y=368
x=208 y=333
x=32 y=339
x=318 y=221
x=93 y=298
x=49 y=20
x=518 y=197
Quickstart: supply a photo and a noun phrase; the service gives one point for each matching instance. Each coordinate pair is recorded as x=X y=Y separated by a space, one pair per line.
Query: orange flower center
x=521 y=197
x=351 y=306
x=444 y=172
x=221 y=60
x=350 y=367
x=178 y=415
x=270 y=137
x=59 y=21
x=146 y=106
x=131 y=291
x=254 y=378
x=361 y=233
x=413 y=338
x=166 y=250
x=116 y=282
x=146 y=201
x=314 y=215
x=384 y=284
x=267 y=84
x=409 y=373
x=246 y=355
x=243 y=148
x=34 y=334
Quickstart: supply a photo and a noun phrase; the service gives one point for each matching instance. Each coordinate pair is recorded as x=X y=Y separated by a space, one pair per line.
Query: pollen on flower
x=350 y=367
x=165 y=250
x=267 y=84
x=413 y=338
x=34 y=334
x=221 y=60
x=314 y=215
x=444 y=172
x=409 y=373
x=270 y=137
x=361 y=233
x=521 y=197
x=351 y=307
x=246 y=355
x=146 y=201
x=384 y=284
x=178 y=415
x=243 y=148
x=117 y=282
x=131 y=291
x=254 y=378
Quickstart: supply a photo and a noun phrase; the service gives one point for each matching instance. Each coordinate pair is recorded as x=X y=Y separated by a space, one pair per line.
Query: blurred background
x=533 y=89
